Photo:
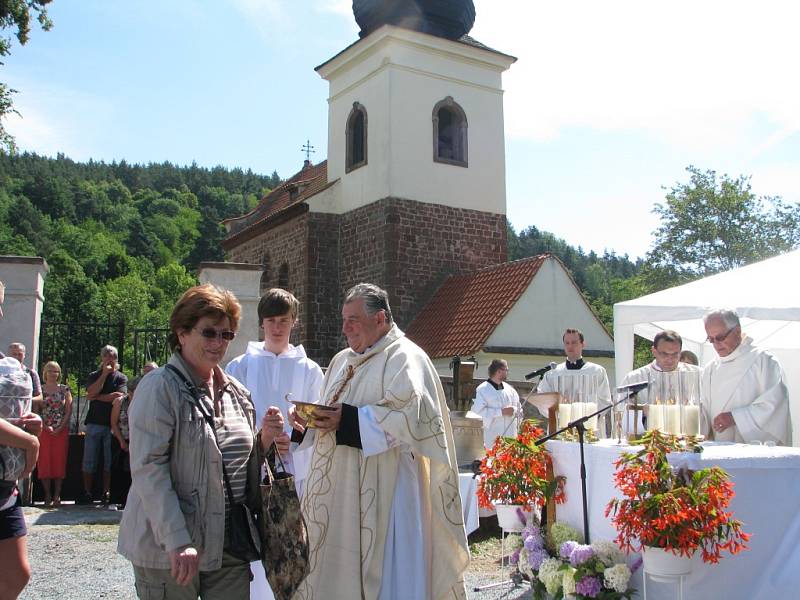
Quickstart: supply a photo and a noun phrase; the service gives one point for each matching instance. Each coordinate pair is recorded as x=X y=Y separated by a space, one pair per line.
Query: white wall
x=399 y=76
x=243 y=280
x=22 y=310
x=550 y=305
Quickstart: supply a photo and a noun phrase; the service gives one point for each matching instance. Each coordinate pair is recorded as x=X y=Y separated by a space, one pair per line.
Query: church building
x=413 y=189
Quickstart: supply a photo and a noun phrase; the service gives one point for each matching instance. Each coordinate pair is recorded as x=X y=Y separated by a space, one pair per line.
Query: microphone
x=541 y=371
x=633 y=388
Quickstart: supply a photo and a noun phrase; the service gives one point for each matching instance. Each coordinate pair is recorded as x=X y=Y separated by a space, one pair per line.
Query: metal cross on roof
x=308 y=149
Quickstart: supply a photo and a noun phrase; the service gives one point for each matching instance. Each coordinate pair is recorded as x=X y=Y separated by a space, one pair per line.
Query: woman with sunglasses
x=194 y=460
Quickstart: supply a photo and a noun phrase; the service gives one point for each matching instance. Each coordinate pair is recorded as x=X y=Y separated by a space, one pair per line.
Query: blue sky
x=608 y=103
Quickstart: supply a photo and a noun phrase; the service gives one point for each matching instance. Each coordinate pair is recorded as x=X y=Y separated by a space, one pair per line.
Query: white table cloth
x=767 y=486
x=468 y=486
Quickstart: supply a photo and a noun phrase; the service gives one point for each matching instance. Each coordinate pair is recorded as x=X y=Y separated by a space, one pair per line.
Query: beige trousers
x=230 y=582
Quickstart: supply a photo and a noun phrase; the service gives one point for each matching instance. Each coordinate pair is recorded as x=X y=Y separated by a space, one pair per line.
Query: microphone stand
x=578 y=425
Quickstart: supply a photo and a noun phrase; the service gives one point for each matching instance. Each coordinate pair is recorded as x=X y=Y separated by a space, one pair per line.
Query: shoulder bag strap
x=209 y=418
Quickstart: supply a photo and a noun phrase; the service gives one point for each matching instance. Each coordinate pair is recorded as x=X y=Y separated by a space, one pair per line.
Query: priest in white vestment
x=745 y=392
x=497 y=403
x=272 y=370
x=575 y=365
x=666 y=351
x=381 y=499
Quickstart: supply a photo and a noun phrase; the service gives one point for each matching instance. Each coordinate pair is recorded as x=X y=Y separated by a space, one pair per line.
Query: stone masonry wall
x=410 y=247
x=405 y=246
x=284 y=244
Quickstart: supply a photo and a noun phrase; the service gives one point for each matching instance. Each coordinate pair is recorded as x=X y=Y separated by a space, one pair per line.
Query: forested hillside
x=122 y=241
x=604 y=279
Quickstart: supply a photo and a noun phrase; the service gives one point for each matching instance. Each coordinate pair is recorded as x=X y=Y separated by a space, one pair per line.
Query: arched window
x=356 y=138
x=449 y=133
x=264 y=282
x=283 y=276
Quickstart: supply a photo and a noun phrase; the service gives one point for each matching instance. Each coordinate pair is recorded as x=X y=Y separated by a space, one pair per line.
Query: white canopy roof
x=765 y=295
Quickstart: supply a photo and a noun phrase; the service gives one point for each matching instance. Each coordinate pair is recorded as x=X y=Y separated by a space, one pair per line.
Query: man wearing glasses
x=666 y=351
x=103 y=388
x=497 y=403
x=745 y=393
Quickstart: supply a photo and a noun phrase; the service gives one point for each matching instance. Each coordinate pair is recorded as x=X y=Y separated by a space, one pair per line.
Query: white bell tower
x=419 y=117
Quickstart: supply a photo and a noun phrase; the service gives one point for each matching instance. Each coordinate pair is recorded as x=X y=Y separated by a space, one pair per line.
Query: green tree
x=17 y=14
x=710 y=225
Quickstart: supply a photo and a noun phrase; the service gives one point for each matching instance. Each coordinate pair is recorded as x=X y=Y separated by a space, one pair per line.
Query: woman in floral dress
x=54 y=441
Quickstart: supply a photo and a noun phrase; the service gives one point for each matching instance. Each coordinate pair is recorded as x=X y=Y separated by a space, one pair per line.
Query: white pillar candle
x=672 y=419
x=577 y=410
x=655 y=418
x=691 y=419
x=589 y=408
x=564 y=415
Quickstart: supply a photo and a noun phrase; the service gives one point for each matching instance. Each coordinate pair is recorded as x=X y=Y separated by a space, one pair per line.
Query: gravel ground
x=72 y=551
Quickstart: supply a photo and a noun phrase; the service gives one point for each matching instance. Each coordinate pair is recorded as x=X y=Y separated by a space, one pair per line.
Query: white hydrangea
x=608 y=552
x=550 y=575
x=617 y=577
x=568 y=581
x=523 y=565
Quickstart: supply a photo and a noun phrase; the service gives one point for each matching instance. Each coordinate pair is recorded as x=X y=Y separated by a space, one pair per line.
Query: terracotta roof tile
x=467 y=308
x=310 y=180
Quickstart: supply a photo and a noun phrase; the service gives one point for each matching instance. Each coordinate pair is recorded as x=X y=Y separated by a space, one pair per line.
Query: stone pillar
x=243 y=280
x=23 y=277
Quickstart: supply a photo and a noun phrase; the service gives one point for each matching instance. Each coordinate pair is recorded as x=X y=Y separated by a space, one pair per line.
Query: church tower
x=414 y=184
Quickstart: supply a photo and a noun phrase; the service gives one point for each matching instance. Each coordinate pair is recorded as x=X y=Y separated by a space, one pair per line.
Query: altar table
x=767 y=486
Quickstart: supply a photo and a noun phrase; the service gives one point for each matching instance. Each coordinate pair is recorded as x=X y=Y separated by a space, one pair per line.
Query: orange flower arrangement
x=515 y=471
x=675 y=509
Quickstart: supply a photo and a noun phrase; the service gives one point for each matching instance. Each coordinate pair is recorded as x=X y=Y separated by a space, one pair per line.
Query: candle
x=564 y=414
x=589 y=408
x=577 y=410
x=655 y=418
x=691 y=419
x=672 y=419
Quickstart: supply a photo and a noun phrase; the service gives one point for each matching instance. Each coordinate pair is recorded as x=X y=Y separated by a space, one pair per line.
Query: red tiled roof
x=466 y=309
x=310 y=180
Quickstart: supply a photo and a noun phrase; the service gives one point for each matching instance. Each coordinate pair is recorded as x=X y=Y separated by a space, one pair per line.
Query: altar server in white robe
x=574 y=344
x=382 y=500
x=745 y=392
x=271 y=370
x=497 y=403
x=666 y=351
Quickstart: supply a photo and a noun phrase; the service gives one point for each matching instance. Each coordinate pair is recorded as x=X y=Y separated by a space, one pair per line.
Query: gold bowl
x=305 y=410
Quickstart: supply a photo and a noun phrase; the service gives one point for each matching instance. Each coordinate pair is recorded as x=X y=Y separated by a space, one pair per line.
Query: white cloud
x=54 y=120
x=343 y=8
x=693 y=74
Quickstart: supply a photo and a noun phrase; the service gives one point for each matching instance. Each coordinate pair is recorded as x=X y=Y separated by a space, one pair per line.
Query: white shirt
x=489 y=404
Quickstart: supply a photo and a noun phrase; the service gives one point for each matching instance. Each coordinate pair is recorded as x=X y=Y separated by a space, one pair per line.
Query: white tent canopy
x=765 y=295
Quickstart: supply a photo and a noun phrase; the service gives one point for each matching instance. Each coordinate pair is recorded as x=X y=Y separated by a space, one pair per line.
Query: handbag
x=240 y=541
x=284 y=537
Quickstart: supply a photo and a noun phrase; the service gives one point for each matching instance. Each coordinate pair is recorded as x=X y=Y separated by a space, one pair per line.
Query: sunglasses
x=718 y=339
x=212 y=334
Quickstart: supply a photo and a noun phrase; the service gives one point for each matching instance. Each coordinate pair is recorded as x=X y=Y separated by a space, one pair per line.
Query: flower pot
x=663 y=565
x=508 y=518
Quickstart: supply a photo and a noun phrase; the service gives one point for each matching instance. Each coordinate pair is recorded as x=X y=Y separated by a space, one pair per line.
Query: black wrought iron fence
x=76 y=348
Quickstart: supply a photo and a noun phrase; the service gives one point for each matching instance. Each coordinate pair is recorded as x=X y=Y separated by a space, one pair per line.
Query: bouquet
x=561 y=566
x=675 y=509
x=515 y=471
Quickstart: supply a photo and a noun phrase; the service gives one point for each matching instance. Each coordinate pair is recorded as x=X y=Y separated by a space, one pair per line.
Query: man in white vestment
x=666 y=351
x=381 y=499
x=497 y=403
x=745 y=395
x=273 y=370
x=575 y=365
